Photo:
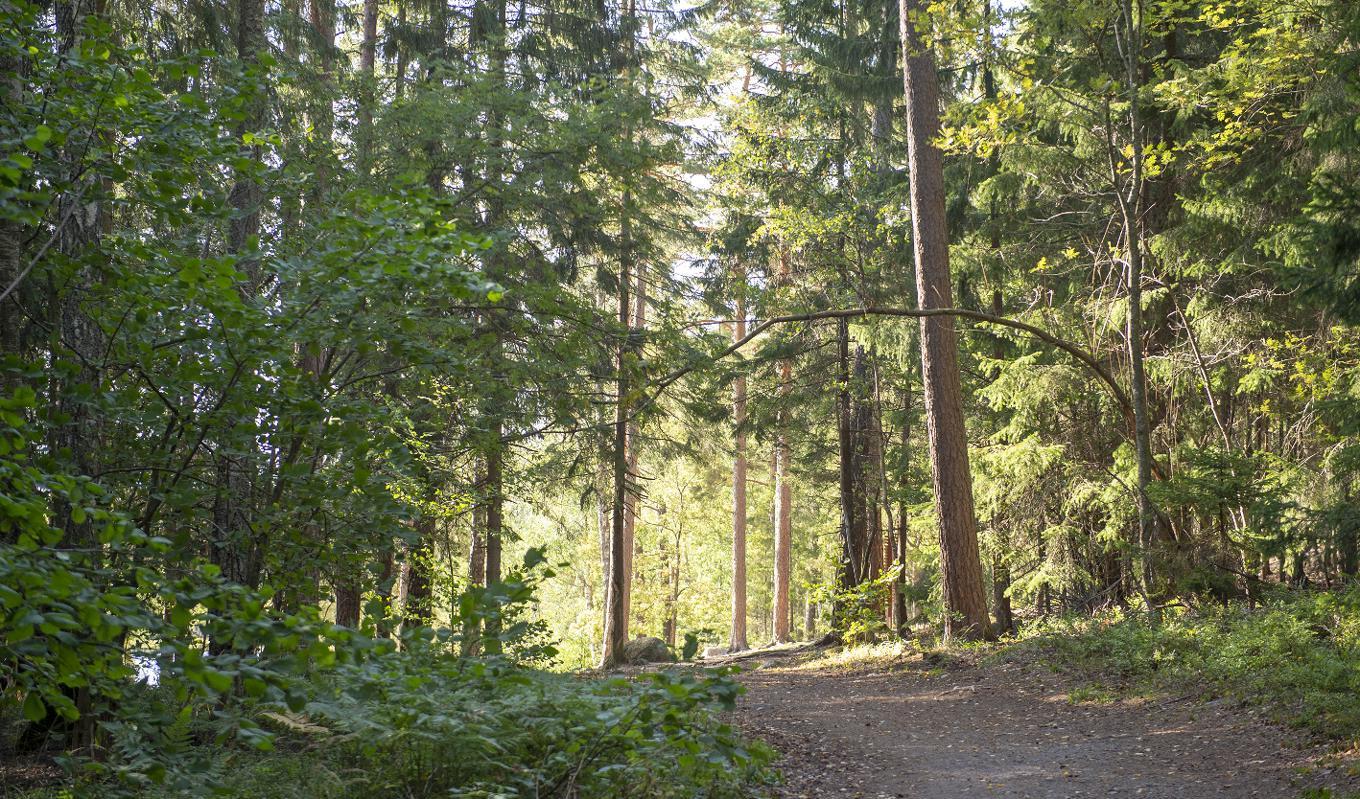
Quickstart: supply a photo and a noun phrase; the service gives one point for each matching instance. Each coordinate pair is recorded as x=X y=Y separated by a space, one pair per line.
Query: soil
x=931 y=729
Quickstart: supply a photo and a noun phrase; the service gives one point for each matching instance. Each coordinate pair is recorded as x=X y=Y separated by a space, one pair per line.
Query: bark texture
x=783 y=492
x=737 y=639
x=960 y=564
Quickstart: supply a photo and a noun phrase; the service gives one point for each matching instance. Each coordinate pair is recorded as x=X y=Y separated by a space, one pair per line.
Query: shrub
x=1298 y=654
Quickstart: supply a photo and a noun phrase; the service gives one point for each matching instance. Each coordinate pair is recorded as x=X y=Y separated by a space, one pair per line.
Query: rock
x=646 y=649
x=714 y=651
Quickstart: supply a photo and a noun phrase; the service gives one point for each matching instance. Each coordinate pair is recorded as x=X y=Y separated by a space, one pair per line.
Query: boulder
x=714 y=651
x=646 y=649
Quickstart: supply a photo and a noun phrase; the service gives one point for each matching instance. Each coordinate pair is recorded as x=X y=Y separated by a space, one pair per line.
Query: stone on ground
x=646 y=649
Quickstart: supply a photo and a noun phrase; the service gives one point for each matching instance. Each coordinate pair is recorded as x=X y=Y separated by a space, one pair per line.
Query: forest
x=554 y=398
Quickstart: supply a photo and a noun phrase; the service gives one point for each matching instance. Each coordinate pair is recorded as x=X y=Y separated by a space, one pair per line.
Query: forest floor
x=947 y=727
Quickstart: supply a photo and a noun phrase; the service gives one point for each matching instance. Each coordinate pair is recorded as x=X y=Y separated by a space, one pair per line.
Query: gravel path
x=1009 y=730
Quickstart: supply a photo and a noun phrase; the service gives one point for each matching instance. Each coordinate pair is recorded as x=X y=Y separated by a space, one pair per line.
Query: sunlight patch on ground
x=888 y=653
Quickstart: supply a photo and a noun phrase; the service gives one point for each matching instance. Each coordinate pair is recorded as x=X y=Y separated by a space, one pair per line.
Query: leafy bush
x=1299 y=654
x=859 y=609
x=413 y=725
x=298 y=708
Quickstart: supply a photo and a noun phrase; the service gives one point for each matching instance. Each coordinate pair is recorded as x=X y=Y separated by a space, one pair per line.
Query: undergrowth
x=881 y=655
x=425 y=718
x=1297 y=655
x=413 y=726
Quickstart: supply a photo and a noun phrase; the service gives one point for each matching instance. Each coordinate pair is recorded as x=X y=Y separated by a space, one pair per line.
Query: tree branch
x=1085 y=358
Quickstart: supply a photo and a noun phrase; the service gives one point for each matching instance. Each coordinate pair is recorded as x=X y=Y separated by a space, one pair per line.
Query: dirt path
x=922 y=732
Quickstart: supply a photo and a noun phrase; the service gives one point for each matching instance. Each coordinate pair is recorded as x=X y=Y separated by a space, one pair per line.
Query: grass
x=1297 y=656
x=884 y=655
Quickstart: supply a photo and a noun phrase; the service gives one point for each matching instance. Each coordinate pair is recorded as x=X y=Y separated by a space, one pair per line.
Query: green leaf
x=34 y=708
x=38 y=139
x=216 y=680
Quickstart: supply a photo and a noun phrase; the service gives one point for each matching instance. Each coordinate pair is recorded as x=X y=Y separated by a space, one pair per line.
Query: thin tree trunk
x=368 y=56
x=234 y=549
x=416 y=593
x=885 y=546
x=847 y=577
x=737 y=640
x=603 y=493
x=630 y=517
x=960 y=564
x=472 y=627
x=399 y=85
x=783 y=492
x=872 y=435
x=901 y=620
x=615 y=617
x=861 y=437
x=1001 y=573
x=12 y=91
x=81 y=216
x=1001 y=578
x=495 y=508
x=1131 y=208
x=673 y=599
x=495 y=172
x=477 y=549
x=495 y=528
x=616 y=597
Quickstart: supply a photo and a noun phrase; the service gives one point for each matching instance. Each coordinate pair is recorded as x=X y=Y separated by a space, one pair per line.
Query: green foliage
x=414 y=726
x=288 y=334
x=72 y=630
x=859 y=610
x=1297 y=655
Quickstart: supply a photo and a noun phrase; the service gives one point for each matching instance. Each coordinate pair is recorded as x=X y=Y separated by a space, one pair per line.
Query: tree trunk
x=867 y=538
x=246 y=195
x=80 y=215
x=603 y=493
x=846 y=462
x=783 y=492
x=477 y=550
x=416 y=593
x=615 y=615
x=737 y=640
x=960 y=564
x=234 y=549
x=1348 y=538
x=885 y=550
x=616 y=597
x=347 y=605
x=901 y=618
x=673 y=596
x=495 y=529
x=12 y=92
x=368 y=52
x=1131 y=208
x=880 y=555
x=1001 y=573
x=494 y=173
x=630 y=517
